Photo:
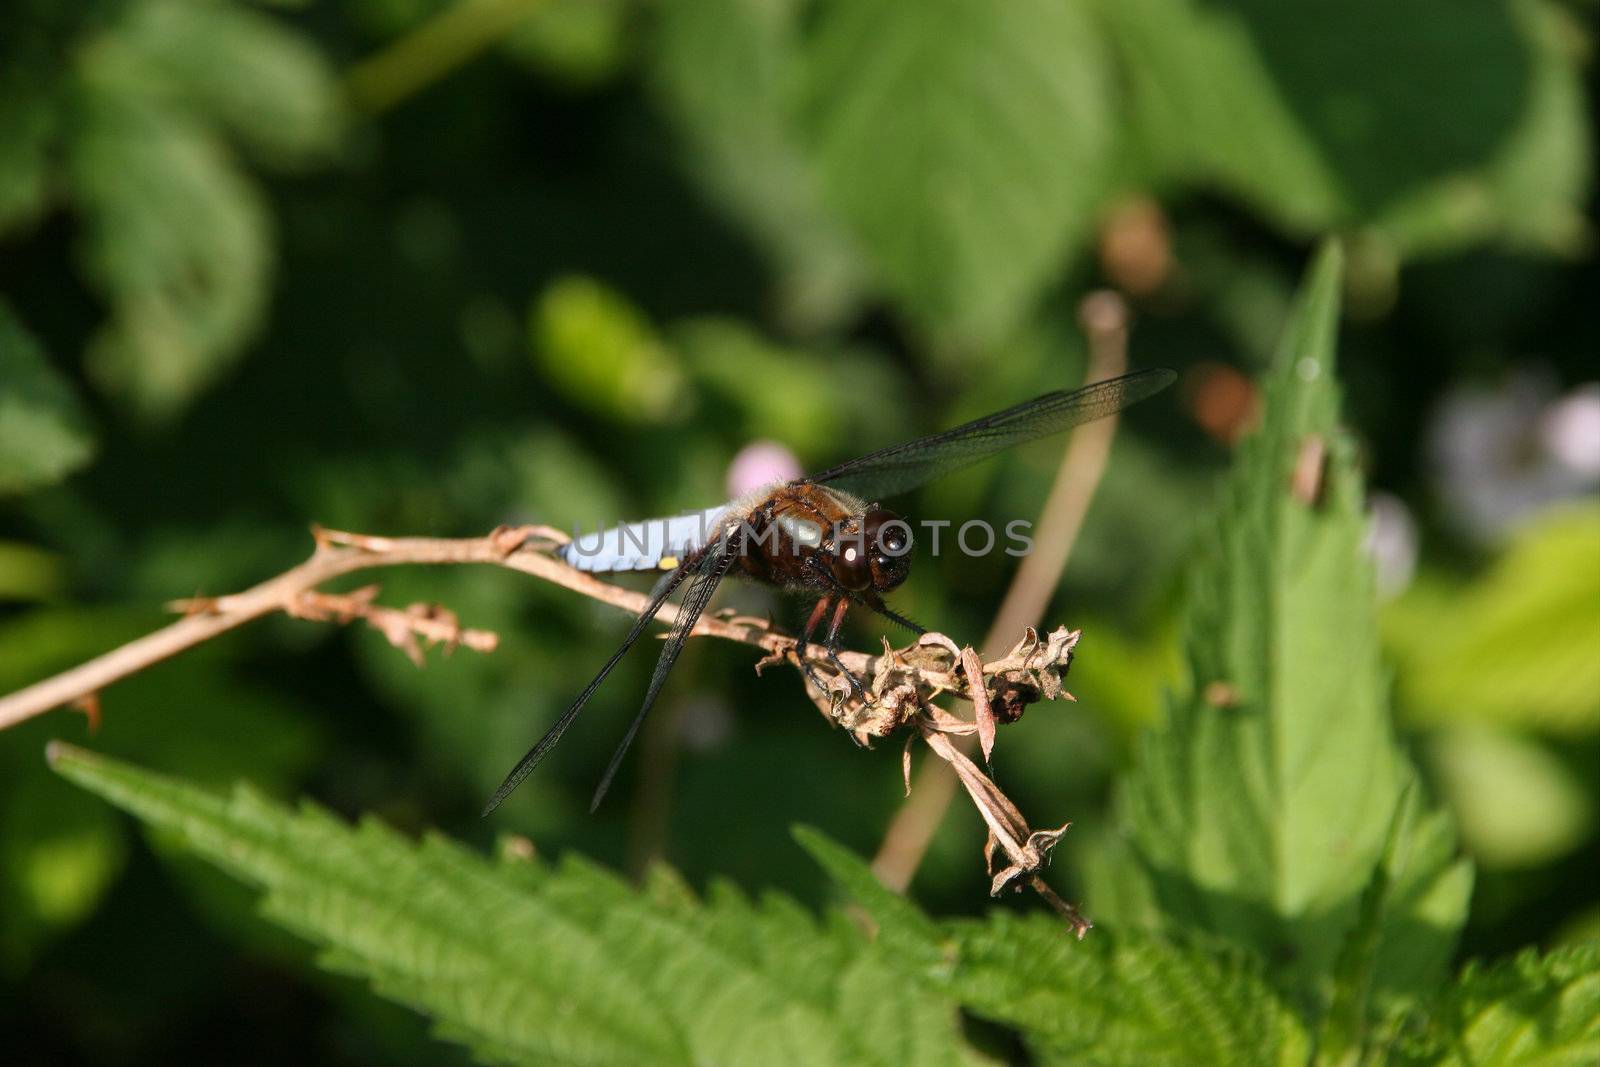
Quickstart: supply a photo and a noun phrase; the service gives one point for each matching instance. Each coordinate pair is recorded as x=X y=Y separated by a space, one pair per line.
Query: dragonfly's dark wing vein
x=712 y=567
x=893 y=470
x=658 y=597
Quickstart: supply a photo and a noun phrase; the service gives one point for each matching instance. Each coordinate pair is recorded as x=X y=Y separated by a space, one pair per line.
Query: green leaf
x=1405 y=952
x=224 y=63
x=28 y=572
x=965 y=142
x=43 y=433
x=175 y=239
x=1311 y=114
x=1118 y=997
x=1204 y=108
x=603 y=353
x=1261 y=808
x=811 y=414
x=1532 y=1010
x=910 y=933
x=1530 y=192
x=583 y=43
x=1531 y=615
x=60 y=851
x=27 y=118
x=725 y=71
x=530 y=963
x=173 y=235
x=1462 y=87
x=1123 y=999
x=1517 y=803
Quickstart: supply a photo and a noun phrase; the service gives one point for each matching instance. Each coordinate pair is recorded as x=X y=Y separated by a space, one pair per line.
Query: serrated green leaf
x=1406 y=953
x=1531 y=615
x=900 y=923
x=1535 y=1009
x=1123 y=999
x=725 y=72
x=1118 y=997
x=534 y=964
x=43 y=433
x=1261 y=808
x=966 y=143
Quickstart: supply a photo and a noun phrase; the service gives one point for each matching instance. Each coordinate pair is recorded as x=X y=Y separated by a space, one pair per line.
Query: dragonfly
x=827 y=536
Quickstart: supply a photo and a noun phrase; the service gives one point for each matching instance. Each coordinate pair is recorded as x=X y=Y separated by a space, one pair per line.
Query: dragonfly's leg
x=800 y=646
x=832 y=646
x=877 y=605
x=831 y=643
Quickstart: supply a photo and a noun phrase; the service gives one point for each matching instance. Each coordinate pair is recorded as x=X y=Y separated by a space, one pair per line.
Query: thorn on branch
x=434 y=623
x=89 y=704
x=509 y=539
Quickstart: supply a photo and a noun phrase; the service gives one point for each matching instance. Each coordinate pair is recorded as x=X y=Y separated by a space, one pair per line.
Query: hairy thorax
x=792 y=534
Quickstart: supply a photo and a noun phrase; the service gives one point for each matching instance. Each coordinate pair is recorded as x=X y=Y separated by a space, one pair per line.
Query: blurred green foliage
x=572 y=255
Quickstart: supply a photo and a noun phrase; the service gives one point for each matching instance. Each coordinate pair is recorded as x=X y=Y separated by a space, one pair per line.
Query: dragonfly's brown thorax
x=804 y=535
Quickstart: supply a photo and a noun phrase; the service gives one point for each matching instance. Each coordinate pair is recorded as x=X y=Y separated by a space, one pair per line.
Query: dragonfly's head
x=886 y=538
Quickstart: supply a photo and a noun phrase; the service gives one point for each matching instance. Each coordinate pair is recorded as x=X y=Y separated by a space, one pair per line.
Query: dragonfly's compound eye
x=888 y=537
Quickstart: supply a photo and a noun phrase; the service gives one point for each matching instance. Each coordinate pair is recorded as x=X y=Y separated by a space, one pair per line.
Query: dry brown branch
x=900 y=688
x=1104 y=316
x=295 y=593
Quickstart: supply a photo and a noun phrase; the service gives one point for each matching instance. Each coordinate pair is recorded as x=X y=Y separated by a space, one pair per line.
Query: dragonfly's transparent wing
x=894 y=470
x=710 y=569
x=663 y=590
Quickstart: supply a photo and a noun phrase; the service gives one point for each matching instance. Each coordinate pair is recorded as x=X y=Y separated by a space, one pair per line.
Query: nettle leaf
x=1534 y=1009
x=1531 y=192
x=1204 y=108
x=1310 y=113
x=266 y=85
x=726 y=71
x=1261 y=809
x=144 y=103
x=177 y=241
x=531 y=963
x=1405 y=952
x=1123 y=998
x=1119 y=997
x=43 y=433
x=966 y=143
